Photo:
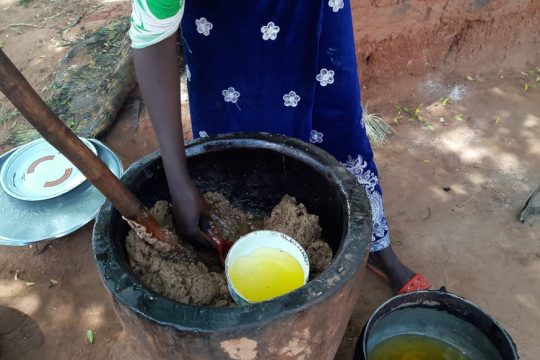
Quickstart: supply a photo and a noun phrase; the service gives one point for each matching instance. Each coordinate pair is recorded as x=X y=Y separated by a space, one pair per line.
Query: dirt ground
x=466 y=237
x=454 y=179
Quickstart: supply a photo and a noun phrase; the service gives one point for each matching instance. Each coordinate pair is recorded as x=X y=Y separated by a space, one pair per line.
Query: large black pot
x=254 y=171
x=442 y=316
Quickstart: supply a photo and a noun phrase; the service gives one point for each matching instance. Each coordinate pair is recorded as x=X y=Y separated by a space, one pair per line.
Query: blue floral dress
x=286 y=67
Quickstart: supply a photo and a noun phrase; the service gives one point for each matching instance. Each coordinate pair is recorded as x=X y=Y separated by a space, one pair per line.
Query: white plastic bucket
x=264 y=239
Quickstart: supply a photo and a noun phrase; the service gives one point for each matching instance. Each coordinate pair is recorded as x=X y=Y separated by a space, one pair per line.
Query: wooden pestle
x=17 y=89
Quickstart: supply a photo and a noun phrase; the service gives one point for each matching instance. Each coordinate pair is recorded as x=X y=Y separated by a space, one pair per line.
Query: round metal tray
x=26 y=222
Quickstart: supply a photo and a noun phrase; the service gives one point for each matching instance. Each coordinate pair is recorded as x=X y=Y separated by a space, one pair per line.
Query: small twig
x=15 y=26
x=24 y=24
x=44 y=20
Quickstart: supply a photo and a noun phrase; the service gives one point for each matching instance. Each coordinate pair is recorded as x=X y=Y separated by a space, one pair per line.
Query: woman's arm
x=157 y=72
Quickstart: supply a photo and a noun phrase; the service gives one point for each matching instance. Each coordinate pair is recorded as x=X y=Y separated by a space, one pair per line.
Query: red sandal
x=416 y=283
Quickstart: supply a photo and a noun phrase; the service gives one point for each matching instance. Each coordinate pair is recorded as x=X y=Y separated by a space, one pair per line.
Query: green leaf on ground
x=459 y=117
x=90 y=336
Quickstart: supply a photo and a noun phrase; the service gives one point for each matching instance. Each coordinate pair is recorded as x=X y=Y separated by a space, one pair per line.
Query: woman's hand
x=190 y=213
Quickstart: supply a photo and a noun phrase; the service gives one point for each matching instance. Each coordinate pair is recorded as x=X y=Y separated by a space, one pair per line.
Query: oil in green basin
x=415 y=347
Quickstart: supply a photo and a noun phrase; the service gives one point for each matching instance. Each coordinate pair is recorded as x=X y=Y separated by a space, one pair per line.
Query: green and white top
x=154 y=20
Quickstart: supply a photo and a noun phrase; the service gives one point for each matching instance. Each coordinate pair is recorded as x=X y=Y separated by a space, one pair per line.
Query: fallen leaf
x=459 y=117
x=526 y=87
x=16 y=277
x=426 y=161
x=497 y=120
x=90 y=336
x=29 y=283
x=470 y=78
x=54 y=282
x=445 y=101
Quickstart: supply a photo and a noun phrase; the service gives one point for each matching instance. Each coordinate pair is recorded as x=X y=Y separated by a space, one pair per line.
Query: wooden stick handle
x=27 y=101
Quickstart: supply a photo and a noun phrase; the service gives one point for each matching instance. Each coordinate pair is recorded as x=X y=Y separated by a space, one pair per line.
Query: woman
x=279 y=66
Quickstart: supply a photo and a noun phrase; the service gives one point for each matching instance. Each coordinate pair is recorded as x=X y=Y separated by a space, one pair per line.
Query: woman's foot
x=397 y=273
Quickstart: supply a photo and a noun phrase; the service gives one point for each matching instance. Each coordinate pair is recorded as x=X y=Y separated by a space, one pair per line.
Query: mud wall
x=401 y=38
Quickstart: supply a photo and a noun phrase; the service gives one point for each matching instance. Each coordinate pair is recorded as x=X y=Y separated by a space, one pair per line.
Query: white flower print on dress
x=270 y=31
x=291 y=99
x=203 y=134
x=325 y=77
x=203 y=26
x=231 y=95
x=316 y=137
x=336 y=5
x=379 y=238
x=358 y=167
x=188 y=73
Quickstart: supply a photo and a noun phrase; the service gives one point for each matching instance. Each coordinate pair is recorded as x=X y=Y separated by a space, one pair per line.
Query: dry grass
x=378 y=130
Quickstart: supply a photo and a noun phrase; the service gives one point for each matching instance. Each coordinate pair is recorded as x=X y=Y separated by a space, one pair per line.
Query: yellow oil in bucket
x=415 y=347
x=265 y=273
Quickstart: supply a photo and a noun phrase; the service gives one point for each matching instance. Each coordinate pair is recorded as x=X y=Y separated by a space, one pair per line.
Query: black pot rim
x=350 y=257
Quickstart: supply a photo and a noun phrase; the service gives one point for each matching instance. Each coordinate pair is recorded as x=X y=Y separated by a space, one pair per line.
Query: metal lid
x=37 y=171
x=25 y=222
